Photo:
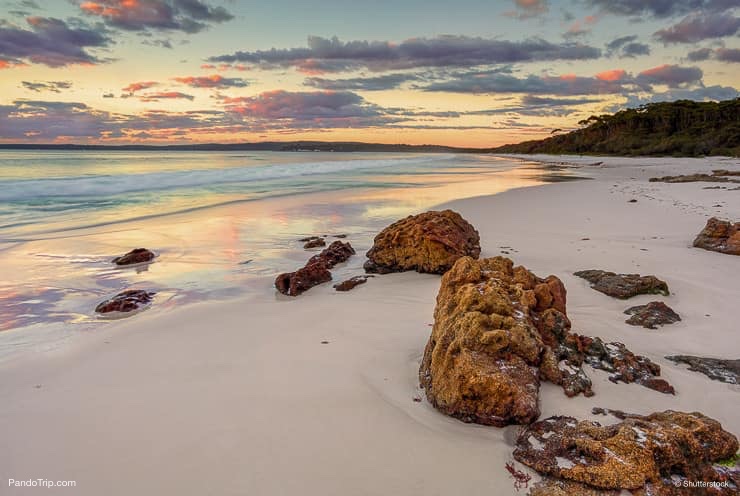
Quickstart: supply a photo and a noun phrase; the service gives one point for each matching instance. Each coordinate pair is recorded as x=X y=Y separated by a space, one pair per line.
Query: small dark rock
x=351 y=283
x=340 y=236
x=309 y=238
x=136 y=256
x=652 y=315
x=623 y=286
x=716 y=369
x=325 y=342
x=632 y=201
x=125 y=302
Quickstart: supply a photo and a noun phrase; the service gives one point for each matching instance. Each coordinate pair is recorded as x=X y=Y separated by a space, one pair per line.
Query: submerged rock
x=316 y=270
x=721 y=236
x=429 y=242
x=715 y=368
x=314 y=243
x=126 y=302
x=498 y=331
x=644 y=454
x=623 y=286
x=652 y=315
x=136 y=256
x=351 y=283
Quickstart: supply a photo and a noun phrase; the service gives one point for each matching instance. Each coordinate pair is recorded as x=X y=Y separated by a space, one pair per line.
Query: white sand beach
x=242 y=397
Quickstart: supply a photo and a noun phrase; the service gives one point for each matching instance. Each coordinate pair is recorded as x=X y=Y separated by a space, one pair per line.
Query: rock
x=309 y=238
x=126 y=302
x=316 y=270
x=136 y=256
x=652 y=315
x=717 y=176
x=720 y=235
x=429 y=242
x=715 y=368
x=351 y=283
x=481 y=362
x=614 y=358
x=647 y=454
x=498 y=331
x=314 y=243
x=632 y=201
x=623 y=286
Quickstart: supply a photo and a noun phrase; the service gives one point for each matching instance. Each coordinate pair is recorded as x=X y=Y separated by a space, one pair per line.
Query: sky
x=462 y=73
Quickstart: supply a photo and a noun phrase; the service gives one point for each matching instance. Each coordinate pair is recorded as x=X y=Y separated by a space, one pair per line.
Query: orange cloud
x=612 y=75
x=134 y=87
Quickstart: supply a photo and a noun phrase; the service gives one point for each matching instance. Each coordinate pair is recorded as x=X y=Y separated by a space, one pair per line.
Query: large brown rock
x=316 y=270
x=645 y=454
x=720 y=235
x=623 y=286
x=498 y=331
x=481 y=361
x=430 y=242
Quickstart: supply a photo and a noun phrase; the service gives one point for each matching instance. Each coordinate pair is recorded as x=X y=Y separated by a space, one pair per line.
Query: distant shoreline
x=275 y=146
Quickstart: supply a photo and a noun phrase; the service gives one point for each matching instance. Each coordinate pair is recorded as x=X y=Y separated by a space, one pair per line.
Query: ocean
x=223 y=224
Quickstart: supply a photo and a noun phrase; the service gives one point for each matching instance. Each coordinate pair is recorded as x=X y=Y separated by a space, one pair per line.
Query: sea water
x=223 y=224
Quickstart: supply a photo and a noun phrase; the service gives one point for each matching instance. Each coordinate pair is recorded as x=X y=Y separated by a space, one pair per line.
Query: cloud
x=616 y=81
x=190 y=16
x=377 y=83
x=661 y=8
x=213 y=81
x=673 y=76
x=324 y=55
x=50 y=42
x=581 y=27
x=722 y=54
x=608 y=82
x=713 y=93
x=728 y=54
x=635 y=50
x=141 y=85
x=526 y=9
x=627 y=46
x=335 y=108
x=53 y=86
x=698 y=27
x=165 y=95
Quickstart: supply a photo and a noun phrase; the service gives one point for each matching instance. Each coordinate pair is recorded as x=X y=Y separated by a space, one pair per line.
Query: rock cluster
x=623 y=286
x=649 y=455
x=498 y=330
x=126 y=302
x=715 y=368
x=720 y=235
x=316 y=270
x=717 y=176
x=430 y=242
x=136 y=256
x=652 y=315
x=615 y=358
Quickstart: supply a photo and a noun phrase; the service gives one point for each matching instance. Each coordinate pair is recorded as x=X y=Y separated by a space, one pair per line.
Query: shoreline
x=229 y=397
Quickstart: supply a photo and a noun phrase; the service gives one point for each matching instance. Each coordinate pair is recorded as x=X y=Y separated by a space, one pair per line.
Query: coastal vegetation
x=683 y=128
